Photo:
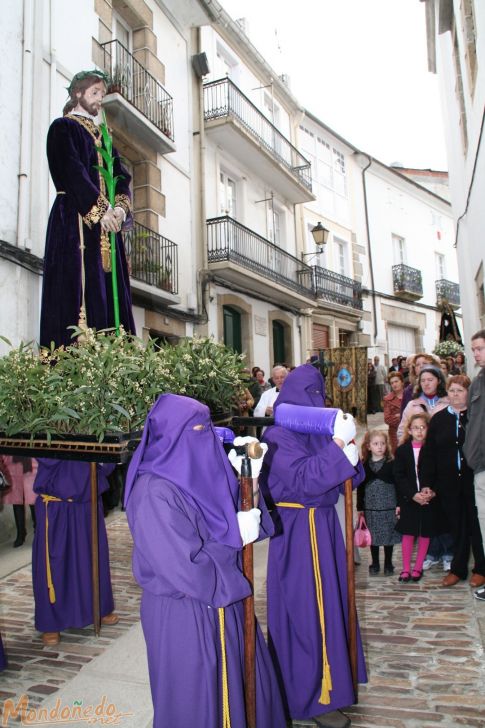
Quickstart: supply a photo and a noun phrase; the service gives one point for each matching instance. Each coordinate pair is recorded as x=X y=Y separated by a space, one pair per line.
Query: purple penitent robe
x=69 y=539
x=3 y=658
x=308 y=470
x=72 y=155
x=181 y=499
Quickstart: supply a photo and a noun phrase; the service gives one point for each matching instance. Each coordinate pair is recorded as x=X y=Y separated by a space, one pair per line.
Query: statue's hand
x=110 y=222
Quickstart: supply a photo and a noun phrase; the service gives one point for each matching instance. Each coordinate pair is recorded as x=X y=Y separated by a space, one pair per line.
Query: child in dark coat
x=376 y=498
x=417 y=517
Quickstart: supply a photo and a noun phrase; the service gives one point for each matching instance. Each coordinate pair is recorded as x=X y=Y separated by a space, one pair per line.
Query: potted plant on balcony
x=120 y=79
x=153 y=273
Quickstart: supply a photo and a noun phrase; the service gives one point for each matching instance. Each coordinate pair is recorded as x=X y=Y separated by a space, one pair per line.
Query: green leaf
x=121 y=410
x=69 y=412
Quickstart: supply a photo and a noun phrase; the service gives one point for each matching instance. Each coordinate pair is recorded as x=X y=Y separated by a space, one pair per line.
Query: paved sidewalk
x=423 y=644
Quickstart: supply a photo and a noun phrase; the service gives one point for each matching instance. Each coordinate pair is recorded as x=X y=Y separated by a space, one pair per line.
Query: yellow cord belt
x=226 y=715
x=50 y=584
x=324 y=698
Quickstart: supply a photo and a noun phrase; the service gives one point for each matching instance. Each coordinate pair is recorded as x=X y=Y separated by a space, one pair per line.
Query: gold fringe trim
x=105 y=247
x=124 y=202
x=96 y=212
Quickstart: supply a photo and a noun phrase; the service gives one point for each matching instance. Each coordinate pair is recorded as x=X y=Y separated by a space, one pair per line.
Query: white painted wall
x=10 y=107
x=173 y=51
x=463 y=164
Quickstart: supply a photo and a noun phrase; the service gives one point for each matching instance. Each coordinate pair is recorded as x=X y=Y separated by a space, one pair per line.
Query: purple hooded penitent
x=69 y=536
x=181 y=499
x=308 y=470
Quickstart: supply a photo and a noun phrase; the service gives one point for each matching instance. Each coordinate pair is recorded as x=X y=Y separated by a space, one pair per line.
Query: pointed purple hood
x=179 y=444
x=304 y=386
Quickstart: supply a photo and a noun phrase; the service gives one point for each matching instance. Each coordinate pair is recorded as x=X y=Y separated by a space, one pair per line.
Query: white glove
x=236 y=459
x=351 y=453
x=344 y=427
x=248 y=522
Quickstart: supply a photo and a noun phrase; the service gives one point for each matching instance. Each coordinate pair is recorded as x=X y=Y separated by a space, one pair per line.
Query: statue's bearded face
x=91 y=99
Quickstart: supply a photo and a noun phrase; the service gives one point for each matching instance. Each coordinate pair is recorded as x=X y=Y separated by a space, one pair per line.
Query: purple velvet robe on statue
x=181 y=499
x=72 y=156
x=310 y=470
x=69 y=537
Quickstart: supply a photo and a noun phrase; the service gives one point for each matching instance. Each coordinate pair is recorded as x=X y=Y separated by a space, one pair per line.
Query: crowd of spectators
x=436 y=397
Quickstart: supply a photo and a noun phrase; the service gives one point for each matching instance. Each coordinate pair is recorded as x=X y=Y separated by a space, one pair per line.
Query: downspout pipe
x=203 y=281
x=369 y=244
x=25 y=158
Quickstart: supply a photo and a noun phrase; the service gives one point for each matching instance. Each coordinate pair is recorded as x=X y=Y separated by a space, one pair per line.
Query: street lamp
x=320 y=236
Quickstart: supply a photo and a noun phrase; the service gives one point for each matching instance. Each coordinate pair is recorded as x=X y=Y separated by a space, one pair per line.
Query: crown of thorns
x=101 y=75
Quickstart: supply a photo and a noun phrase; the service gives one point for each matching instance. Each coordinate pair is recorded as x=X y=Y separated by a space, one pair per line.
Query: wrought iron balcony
x=223 y=101
x=228 y=240
x=447 y=292
x=407 y=281
x=337 y=288
x=130 y=79
x=152 y=258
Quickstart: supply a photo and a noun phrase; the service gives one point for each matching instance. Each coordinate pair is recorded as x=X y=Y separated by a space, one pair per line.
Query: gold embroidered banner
x=346 y=380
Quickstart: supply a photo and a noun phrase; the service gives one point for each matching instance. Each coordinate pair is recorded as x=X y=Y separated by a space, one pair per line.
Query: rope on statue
x=82 y=322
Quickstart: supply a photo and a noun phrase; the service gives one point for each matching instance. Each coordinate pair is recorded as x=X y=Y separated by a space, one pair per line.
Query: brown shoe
x=110 y=619
x=450 y=580
x=51 y=638
x=477 y=580
x=335 y=719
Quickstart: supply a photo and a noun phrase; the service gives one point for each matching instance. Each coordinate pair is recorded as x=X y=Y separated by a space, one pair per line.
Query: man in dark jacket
x=474 y=447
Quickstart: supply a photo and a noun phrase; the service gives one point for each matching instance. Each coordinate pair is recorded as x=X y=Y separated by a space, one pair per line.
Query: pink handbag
x=362 y=535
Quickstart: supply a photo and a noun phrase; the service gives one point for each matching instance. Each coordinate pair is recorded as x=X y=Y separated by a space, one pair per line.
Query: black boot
x=32 y=516
x=374 y=568
x=19 y=515
x=388 y=565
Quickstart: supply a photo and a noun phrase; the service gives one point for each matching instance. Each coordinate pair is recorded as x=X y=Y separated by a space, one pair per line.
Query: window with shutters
x=321 y=337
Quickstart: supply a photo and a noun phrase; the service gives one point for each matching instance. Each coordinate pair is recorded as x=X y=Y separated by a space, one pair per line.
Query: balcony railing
x=407 y=281
x=337 y=288
x=222 y=98
x=447 y=292
x=231 y=241
x=152 y=258
x=129 y=78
